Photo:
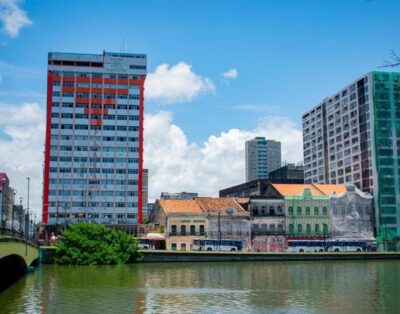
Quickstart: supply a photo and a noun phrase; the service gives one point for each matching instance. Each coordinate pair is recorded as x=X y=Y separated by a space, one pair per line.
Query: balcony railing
x=187 y=234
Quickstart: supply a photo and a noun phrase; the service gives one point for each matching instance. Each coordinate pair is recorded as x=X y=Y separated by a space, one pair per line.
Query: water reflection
x=259 y=287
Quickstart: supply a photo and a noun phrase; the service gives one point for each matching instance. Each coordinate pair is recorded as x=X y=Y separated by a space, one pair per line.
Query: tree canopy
x=92 y=244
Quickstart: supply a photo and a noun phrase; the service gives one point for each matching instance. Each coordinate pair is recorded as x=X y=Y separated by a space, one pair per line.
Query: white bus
x=330 y=245
x=349 y=245
x=216 y=245
x=305 y=246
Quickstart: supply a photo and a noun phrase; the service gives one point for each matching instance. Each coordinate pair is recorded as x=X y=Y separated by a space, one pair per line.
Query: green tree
x=91 y=244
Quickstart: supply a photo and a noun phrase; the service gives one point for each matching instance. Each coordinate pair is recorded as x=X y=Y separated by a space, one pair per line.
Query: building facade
x=288 y=172
x=352 y=134
x=200 y=218
x=145 y=192
x=267 y=223
x=94 y=138
x=351 y=214
x=262 y=156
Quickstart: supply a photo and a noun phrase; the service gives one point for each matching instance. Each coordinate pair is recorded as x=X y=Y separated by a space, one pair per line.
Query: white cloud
x=177 y=83
x=13 y=17
x=175 y=164
x=22 y=153
x=230 y=74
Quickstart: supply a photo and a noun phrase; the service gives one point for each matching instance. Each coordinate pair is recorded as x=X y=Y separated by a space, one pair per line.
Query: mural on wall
x=350 y=214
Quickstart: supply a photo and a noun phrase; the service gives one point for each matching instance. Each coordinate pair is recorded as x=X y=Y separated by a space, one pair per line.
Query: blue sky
x=288 y=55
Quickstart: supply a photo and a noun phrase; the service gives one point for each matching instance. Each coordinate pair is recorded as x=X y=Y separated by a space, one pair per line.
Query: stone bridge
x=16 y=255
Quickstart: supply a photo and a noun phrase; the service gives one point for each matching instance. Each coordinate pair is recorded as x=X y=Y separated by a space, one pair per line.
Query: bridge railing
x=13 y=235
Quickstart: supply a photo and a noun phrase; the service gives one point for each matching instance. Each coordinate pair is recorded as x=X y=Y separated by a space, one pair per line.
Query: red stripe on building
x=65 y=89
x=96 y=122
x=141 y=128
x=83 y=90
x=83 y=79
x=45 y=210
x=95 y=111
x=110 y=81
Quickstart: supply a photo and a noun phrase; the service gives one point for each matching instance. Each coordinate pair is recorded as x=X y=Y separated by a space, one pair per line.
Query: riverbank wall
x=171 y=256
x=149 y=256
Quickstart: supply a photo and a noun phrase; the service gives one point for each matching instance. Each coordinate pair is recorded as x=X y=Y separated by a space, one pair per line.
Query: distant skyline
x=220 y=73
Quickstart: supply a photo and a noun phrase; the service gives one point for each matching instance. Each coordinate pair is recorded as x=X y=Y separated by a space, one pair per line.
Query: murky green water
x=258 y=287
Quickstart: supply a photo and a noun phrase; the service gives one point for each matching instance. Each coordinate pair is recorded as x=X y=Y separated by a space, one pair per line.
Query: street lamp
x=27 y=207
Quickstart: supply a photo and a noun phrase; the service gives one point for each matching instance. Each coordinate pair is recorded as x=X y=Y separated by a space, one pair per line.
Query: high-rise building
x=262 y=157
x=354 y=137
x=94 y=138
x=145 y=191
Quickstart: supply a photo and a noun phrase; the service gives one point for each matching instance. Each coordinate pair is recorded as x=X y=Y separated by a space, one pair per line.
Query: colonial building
x=205 y=217
x=268 y=223
x=351 y=213
x=306 y=210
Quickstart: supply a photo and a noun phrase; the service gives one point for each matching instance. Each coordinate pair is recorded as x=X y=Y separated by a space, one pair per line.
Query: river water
x=237 y=287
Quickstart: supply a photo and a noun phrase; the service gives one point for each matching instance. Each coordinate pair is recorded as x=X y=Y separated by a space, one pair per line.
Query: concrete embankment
x=47 y=256
x=173 y=256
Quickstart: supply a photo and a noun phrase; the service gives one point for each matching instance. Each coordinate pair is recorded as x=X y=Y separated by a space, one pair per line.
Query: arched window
x=308 y=229
x=316 y=211
x=291 y=229
x=308 y=211
x=317 y=228
x=291 y=211
x=201 y=230
x=325 y=229
x=298 y=210
x=183 y=230
x=325 y=211
x=300 y=228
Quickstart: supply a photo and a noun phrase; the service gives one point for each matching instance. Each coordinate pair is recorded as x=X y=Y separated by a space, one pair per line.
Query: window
x=173 y=246
x=325 y=211
x=201 y=230
x=308 y=229
x=300 y=228
x=173 y=230
x=317 y=228
x=290 y=210
x=298 y=210
x=316 y=211
x=291 y=229
x=192 y=230
x=325 y=226
x=308 y=212
x=183 y=230
x=183 y=246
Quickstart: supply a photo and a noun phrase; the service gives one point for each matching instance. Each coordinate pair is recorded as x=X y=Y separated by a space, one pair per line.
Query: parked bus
x=330 y=245
x=305 y=246
x=216 y=245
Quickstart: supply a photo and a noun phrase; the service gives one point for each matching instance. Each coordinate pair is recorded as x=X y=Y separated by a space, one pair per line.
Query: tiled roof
x=218 y=204
x=180 y=206
x=329 y=189
x=200 y=205
x=296 y=189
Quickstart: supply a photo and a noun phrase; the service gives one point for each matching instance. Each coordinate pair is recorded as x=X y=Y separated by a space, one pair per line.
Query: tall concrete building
x=262 y=157
x=94 y=138
x=353 y=136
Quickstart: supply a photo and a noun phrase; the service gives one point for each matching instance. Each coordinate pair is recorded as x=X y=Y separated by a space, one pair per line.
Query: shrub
x=91 y=244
